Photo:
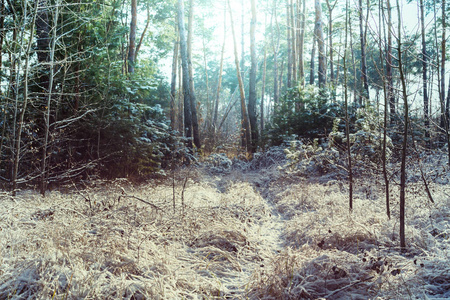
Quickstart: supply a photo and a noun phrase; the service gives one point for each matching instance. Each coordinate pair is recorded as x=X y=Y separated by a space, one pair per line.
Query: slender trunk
x=330 y=38
x=347 y=119
x=365 y=93
x=424 y=76
x=389 y=65
x=405 y=135
x=132 y=43
x=173 y=83
x=385 y=123
x=322 y=74
x=49 y=100
x=263 y=90
x=185 y=67
x=313 y=57
x=252 y=82
x=289 y=43
x=219 y=84
x=275 y=45
x=244 y=120
x=294 y=44
x=301 y=63
x=18 y=135
x=141 y=40
x=195 y=130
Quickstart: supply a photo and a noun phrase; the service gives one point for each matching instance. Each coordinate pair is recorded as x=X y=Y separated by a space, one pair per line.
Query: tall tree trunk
x=362 y=36
x=330 y=38
x=173 y=83
x=243 y=41
x=313 y=59
x=322 y=74
x=185 y=67
x=301 y=62
x=347 y=119
x=18 y=134
x=195 y=130
x=52 y=48
x=424 y=76
x=244 y=117
x=405 y=133
x=132 y=43
x=385 y=119
x=141 y=40
x=275 y=45
x=263 y=90
x=289 y=43
x=252 y=83
x=294 y=42
x=219 y=83
x=390 y=80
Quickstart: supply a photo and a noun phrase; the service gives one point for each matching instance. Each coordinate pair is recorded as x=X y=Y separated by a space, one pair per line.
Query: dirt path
x=264 y=232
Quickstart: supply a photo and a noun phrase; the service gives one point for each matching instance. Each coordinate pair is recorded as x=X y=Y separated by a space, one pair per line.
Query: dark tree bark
x=293 y=42
x=185 y=67
x=405 y=134
x=132 y=42
x=275 y=45
x=173 y=83
x=362 y=36
x=425 y=76
x=301 y=62
x=347 y=119
x=252 y=83
x=289 y=43
x=312 y=70
x=322 y=74
x=385 y=120
x=141 y=40
x=195 y=130
x=330 y=38
x=390 y=81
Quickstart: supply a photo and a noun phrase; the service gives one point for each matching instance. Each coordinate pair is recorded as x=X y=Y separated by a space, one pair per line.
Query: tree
x=186 y=76
x=322 y=72
x=405 y=132
x=252 y=82
x=246 y=137
x=195 y=130
x=347 y=119
x=362 y=35
x=132 y=43
x=424 y=76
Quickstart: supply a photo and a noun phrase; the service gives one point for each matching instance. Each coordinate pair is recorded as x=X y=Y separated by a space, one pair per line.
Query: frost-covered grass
x=247 y=233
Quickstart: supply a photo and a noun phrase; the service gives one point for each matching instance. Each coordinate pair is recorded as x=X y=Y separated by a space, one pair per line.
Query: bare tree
x=320 y=45
x=252 y=82
x=195 y=130
x=405 y=132
x=246 y=137
x=185 y=67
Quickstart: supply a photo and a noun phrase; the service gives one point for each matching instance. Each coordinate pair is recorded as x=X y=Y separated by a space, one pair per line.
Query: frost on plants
x=218 y=232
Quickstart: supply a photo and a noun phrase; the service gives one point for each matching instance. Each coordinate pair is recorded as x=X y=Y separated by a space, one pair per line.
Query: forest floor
x=226 y=230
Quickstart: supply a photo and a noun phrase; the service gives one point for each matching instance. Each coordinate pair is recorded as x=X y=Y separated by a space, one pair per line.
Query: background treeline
x=128 y=88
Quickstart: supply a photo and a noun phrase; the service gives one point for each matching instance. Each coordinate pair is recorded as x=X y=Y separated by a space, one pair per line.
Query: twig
x=348 y=286
x=142 y=200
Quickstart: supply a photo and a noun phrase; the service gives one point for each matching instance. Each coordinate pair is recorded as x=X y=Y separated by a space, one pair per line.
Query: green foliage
x=304 y=112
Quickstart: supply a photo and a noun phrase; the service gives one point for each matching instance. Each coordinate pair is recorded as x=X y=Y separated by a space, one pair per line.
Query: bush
x=305 y=112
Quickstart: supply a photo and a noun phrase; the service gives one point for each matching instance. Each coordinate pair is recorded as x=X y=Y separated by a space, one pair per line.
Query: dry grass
x=114 y=240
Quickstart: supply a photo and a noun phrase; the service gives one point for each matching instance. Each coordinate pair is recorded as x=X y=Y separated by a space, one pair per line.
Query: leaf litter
x=238 y=231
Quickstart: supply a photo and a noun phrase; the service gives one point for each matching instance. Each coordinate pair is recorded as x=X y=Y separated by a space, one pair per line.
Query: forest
x=229 y=149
